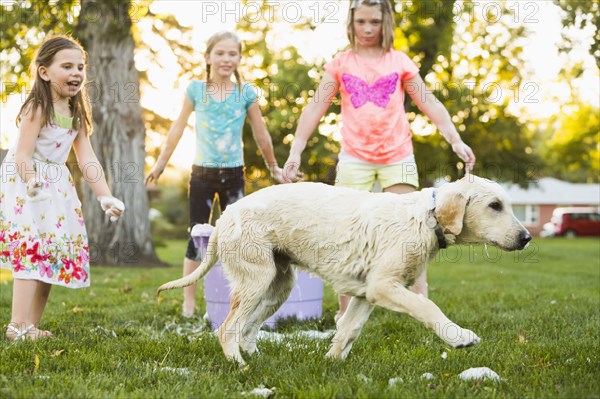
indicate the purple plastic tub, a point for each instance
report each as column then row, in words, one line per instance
column 305, row 300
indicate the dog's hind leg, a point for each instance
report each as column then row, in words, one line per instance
column 246, row 295
column 276, row 295
column 349, row 327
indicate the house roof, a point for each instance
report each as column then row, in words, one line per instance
column 551, row 191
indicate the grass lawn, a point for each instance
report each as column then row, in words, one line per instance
column 537, row 313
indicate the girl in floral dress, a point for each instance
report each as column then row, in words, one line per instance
column 43, row 238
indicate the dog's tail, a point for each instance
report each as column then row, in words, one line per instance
column 207, row 263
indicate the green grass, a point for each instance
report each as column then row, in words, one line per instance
column 537, row 312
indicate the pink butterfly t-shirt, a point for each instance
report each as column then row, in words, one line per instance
column 374, row 124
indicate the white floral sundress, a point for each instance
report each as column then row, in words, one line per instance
column 44, row 240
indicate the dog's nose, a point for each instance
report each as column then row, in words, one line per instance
column 524, row 238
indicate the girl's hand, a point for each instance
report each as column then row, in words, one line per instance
column 465, row 153
column 277, row 174
column 112, row 207
column 153, row 175
column 291, row 169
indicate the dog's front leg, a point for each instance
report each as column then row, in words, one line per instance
column 349, row 327
column 396, row 297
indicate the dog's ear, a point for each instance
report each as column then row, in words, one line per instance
column 450, row 212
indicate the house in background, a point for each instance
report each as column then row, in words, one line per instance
column 533, row 206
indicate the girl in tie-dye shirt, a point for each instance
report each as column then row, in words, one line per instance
column 221, row 106
column 372, row 78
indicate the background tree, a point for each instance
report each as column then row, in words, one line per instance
column 581, row 14
column 569, row 139
column 286, row 83
column 472, row 62
column 189, row 61
column 572, row 150
column 24, row 25
column 104, row 29
column 425, row 30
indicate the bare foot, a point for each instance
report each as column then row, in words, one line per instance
column 44, row 334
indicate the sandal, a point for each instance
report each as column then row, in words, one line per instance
column 18, row 334
column 30, row 332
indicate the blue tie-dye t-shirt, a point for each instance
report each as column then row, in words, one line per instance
column 219, row 125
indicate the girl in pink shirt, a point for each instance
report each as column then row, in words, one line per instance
column 372, row 78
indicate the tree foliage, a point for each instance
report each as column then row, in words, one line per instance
column 472, row 61
column 570, row 138
column 580, row 14
column 572, row 151
column 24, row 24
column 285, row 83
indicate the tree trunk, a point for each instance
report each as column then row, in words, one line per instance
column 104, row 29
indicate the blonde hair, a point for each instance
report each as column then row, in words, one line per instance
column 387, row 31
column 41, row 91
column 211, row 43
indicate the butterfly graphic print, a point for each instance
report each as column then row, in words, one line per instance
column 379, row 93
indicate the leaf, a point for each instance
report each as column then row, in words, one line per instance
column 57, row 352
column 36, row 363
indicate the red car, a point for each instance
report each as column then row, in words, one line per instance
column 574, row 221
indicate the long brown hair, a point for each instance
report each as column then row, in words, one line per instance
column 210, row 44
column 387, row 28
column 41, row 91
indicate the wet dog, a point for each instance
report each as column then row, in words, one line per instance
column 371, row 246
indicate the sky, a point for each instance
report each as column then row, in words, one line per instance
column 542, row 18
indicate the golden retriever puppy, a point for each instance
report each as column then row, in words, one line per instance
column 371, row 246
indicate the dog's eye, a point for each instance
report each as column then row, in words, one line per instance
column 497, row 206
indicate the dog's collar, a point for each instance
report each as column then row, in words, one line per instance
column 440, row 237
column 442, row 243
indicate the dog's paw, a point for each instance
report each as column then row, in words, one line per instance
column 238, row 360
column 457, row 337
column 338, row 353
column 466, row 338
column 333, row 354
column 250, row 348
